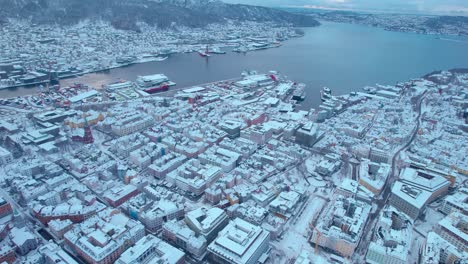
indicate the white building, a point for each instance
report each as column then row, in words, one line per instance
column 425, row 180
column 285, row 204
column 165, row 164
column 409, row 199
column 340, row 226
column 53, row 254
column 180, row 235
column 194, row 177
column 153, row 213
column 131, row 123
column 151, row 249
column 102, row 238
column 241, row 243
column 415, row 190
column 457, row 202
column 207, row 222
column 220, row 157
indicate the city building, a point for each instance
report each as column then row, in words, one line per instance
column 151, row 249
column 5, row 156
column 80, row 120
column 5, row 208
column 7, row 249
column 257, row 134
column 180, row 235
column 328, row 165
column 351, row 188
column 220, row 157
column 207, row 221
column 153, row 213
column 52, row 254
column 457, row 202
column 60, row 227
column 23, row 240
column 252, row 81
column 286, row 203
column 165, row 164
column 438, row 250
column 341, row 225
column 392, row 240
column 426, row 180
column 120, row 194
column 131, row 123
column 241, row 243
column 373, row 175
column 307, row 134
column 76, row 213
column 379, row 155
column 102, row 238
column 194, row 177
column 249, row 211
column 232, row 128
column 453, row 228
column 84, row 135
column 409, row 199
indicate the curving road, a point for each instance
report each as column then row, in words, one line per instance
column 389, row 182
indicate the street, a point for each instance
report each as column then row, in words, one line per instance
column 388, row 183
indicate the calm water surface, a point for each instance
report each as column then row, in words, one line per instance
column 344, row 57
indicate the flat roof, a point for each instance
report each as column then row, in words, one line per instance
column 83, row 96
column 238, row 241
column 194, row 89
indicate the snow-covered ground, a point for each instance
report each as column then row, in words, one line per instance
column 296, row 237
column 431, row 220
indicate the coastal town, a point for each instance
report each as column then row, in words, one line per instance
column 233, row 172
column 43, row 54
column 203, row 131
column 413, row 23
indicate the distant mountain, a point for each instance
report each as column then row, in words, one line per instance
column 125, row 14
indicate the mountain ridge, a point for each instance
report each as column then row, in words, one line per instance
column 125, row 14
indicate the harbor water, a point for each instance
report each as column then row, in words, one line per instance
column 344, row 57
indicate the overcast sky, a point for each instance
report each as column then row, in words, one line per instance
column 454, row 7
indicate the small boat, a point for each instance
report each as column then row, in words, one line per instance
column 161, row 58
column 203, row 53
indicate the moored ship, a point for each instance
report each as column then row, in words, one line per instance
column 154, row 83
column 326, row 94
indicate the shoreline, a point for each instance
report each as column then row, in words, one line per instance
column 361, row 91
column 75, row 75
column 138, row 61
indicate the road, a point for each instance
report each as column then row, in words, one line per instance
column 389, row 182
column 26, row 216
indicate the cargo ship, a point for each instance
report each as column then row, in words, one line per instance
column 154, row 83
column 148, row 81
column 160, row 88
